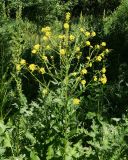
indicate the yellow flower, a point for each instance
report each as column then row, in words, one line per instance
column 68, row 15
column 48, row 47
column 87, row 34
column 102, row 54
column 87, row 43
column 99, row 58
column 32, row 67
column 74, row 73
column 84, row 71
column 103, row 79
column 45, row 38
column 103, row 44
column 45, row 91
column 76, row 101
column 34, row 51
column 93, row 34
column 23, row 62
column 36, row 47
column 18, row 67
column 81, row 29
column 45, row 29
column 103, row 70
column 52, row 57
column 77, row 49
column 48, row 34
column 44, row 58
column 78, row 57
column 88, row 58
column 42, row 70
column 61, row 36
column 78, row 78
column 66, row 25
column 71, row 37
column 97, row 46
column 90, row 64
column 83, row 82
column 95, row 78
column 62, row 52
column 107, row 50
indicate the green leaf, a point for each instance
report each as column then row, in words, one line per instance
column 34, row 156
column 30, row 137
column 2, row 150
column 2, row 127
column 7, row 140
column 50, row 152
column 91, row 115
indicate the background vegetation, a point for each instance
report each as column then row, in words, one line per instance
column 29, row 125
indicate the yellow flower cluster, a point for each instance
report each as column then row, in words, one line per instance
column 103, row 79
column 42, row 70
column 36, row 48
column 32, row 67
column 71, row 37
column 84, row 71
column 20, row 65
column 66, row 24
column 62, row 52
column 68, row 16
column 47, row 31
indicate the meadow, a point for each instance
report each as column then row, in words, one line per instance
column 63, row 80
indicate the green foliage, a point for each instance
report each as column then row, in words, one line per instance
column 96, row 8
column 6, row 96
column 108, row 140
column 40, row 11
column 51, row 126
column 117, row 22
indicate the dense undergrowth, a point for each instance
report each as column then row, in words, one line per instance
column 63, row 80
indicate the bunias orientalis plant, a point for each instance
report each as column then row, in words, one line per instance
column 67, row 63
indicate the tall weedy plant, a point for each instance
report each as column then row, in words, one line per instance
column 66, row 64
